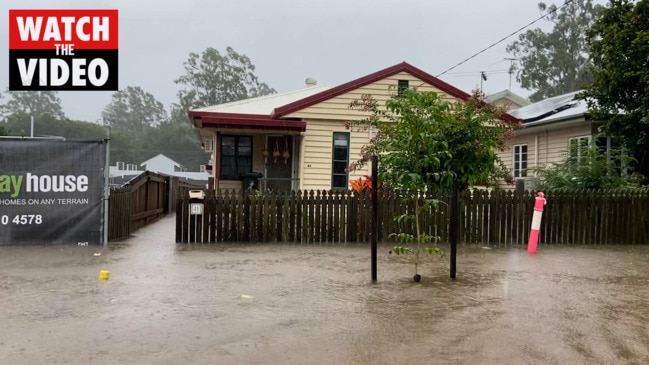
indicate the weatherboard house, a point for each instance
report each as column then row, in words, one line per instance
column 298, row 139
column 551, row 129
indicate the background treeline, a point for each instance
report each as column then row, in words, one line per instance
column 140, row 126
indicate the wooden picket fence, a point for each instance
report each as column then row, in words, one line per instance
column 145, row 199
column 490, row 218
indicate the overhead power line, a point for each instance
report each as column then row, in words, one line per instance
column 566, row 3
column 476, row 72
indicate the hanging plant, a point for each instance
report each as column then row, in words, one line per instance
column 286, row 155
column 276, row 153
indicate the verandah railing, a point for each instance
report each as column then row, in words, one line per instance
column 493, row 218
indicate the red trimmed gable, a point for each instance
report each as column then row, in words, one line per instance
column 374, row 77
column 365, row 80
column 275, row 121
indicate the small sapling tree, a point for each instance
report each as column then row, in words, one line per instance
column 427, row 144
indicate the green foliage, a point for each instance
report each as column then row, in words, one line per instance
column 34, row 103
column 19, row 124
column 427, row 144
column 401, row 250
column 557, row 62
column 178, row 141
column 420, row 239
column 133, row 109
column 425, row 141
column 213, row 78
column 3, row 131
column 587, row 167
column 141, row 129
column 619, row 94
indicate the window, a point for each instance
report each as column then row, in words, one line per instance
column 340, row 161
column 577, row 146
column 520, row 160
column 403, row 85
column 614, row 152
column 236, row 156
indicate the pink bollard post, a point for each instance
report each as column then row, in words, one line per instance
column 536, row 222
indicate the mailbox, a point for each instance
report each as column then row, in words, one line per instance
column 196, row 198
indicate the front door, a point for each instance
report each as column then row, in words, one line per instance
column 279, row 164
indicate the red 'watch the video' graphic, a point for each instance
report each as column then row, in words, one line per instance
column 63, row 49
column 44, row 29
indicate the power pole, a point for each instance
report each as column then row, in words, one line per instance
column 483, row 77
column 511, row 70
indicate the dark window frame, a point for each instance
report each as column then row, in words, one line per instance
column 237, row 156
column 346, row 161
column 401, row 86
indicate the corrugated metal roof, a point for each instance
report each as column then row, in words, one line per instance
column 545, row 108
column 264, row 104
column 577, row 108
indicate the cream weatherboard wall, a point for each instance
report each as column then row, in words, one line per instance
column 337, row 108
column 329, row 116
column 546, row 146
column 316, row 172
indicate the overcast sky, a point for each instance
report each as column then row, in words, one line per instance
column 333, row 41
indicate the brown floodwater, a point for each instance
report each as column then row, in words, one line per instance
column 179, row 304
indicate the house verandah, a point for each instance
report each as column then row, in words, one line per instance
column 265, row 160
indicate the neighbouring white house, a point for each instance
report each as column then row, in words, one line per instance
column 162, row 164
column 508, row 99
column 298, row 139
column 549, row 129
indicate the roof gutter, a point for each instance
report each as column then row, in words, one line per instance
column 568, row 121
column 260, row 123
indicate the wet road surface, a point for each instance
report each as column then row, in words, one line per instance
column 174, row 304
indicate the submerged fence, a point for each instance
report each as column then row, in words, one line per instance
column 494, row 218
column 143, row 200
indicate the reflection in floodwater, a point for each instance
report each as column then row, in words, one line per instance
column 290, row 304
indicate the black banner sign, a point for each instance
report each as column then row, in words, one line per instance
column 51, row 192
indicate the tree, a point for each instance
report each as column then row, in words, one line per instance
column 3, row 131
column 34, row 103
column 212, row 78
column 557, row 62
column 19, row 124
column 427, row 144
column 177, row 140
column 133, row 109
column 619, row 94
column 128, row 147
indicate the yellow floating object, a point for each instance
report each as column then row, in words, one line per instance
column 244, row 296
column 104, row 275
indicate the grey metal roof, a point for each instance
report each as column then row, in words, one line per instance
column 550, row 107
column 578, row 108
column 265, row 104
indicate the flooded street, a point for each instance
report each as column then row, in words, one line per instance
column 178, row 304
